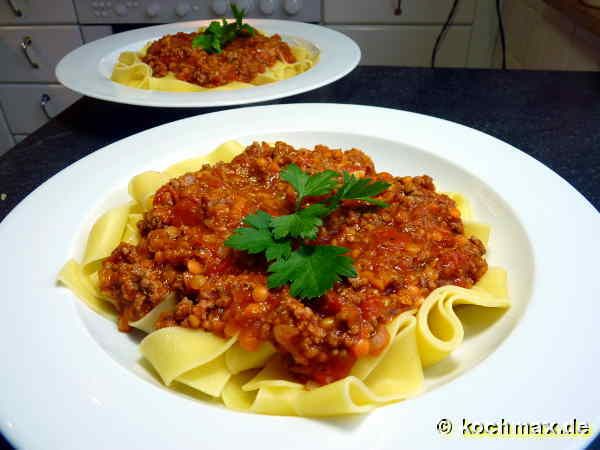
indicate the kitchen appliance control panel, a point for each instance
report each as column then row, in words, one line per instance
column 163, row 11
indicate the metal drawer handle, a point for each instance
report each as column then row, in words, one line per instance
column 44, row 104
column 25, row 44
column 398, row 10
column 15, row 8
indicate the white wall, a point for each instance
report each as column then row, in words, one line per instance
column 540, row 37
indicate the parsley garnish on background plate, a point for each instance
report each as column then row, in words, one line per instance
column 218, row 34
column 310, row 270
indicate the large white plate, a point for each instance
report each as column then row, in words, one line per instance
column 87, row 70
column 71, row 381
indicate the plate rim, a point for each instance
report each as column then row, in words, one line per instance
column 381, row 119
column 79, row 71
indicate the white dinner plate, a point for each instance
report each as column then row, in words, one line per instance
column 87, row 69
column 70, row 380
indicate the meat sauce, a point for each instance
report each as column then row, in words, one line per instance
column 240, row 60
column 401, row 253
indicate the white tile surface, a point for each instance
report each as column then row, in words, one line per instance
column 408, row 45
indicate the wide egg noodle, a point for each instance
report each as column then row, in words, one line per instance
column 209, row 378
column 106, row 234
column 471, row 228
column 145, row 184
column 131, row 71
column 172, row 351
column 223, row 153
column 462, row 204
column 239, row 360
column 477, row 229
column 439, row 330
column 72, row 276
column 364, row 366
column 233, row 396
column 146, row 323
column 131, row 235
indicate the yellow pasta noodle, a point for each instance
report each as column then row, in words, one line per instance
column 196, row 361
column 72, row 276
column 106, row 234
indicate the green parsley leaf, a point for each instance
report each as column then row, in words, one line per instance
column 238, row 14
column 258, row 238
column 301, row 224
column 215, row 28
column 311, row 270
column 321, row 183
column 218, row 34
column 259, row 220
column 278, row 250
column 362, row 189
column 250, row 239
column 247, row 29
column 256, row 241
column 318, row 210
column 297, row 225
column 204, row 41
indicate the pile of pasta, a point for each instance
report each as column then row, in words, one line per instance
column 202, row 364
column 131, row 71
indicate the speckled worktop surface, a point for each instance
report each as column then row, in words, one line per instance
column 553, row 116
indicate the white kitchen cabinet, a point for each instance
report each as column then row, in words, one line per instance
column 23, row 104
column 408, row 45
column 94, row 32
column 408, row 38
column 17, row 12
column 383, row 11
column 6, row 139
column 30, row 54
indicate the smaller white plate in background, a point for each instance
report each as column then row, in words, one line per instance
column 87, row 69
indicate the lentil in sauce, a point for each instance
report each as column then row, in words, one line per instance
column 401, row 253
column 241, row 59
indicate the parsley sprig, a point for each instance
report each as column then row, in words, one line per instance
column 311, row 270
column 218, row 34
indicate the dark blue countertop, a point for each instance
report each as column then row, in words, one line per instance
column 553, row 116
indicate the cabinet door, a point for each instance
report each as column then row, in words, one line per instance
column 44, row 47
column 393, row 45
column 15, row 12
column 94, row 32
column 383, row 11
column 6, row 139
column 24, row 108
